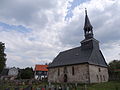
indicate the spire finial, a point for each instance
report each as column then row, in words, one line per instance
column 86, row 11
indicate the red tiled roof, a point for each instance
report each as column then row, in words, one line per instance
column 41, row 67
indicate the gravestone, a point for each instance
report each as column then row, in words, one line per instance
column 63, row 87
column 7, row 89
column 52, row 87
column 59, row 88
column 67, row 88
column 38, row 88
column 47, row 87
column 28, row 88
column 16, row 88
column 55, row 88
column 43, row 88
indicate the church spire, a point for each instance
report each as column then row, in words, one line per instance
column 88, row 27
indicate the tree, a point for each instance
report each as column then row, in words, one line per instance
column 115, row 64
column 27, row 73
column 114, row 70
column 2, row 56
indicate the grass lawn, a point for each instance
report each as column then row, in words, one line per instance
column 113, row 85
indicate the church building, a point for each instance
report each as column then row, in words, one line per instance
column 83, row 64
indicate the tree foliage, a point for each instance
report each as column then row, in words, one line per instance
column 114, row 70
column 27, row 73
column 2, row 56
column 115, row 64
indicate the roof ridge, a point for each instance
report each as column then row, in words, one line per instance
column 70, row 49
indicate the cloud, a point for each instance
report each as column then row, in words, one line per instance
column 111, row 51
column 46, row 32
column 26, row 12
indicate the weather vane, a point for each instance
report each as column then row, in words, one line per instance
column 85, row 11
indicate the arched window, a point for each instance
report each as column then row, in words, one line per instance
column 104, row 77
column 99, row 69
column 65, row 69
column 97, row 78
column 58, row 71
column 101, row 78
column 73, row 71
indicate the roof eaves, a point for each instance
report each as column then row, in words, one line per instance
column 67, row 65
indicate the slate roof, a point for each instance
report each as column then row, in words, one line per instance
column 79, row 56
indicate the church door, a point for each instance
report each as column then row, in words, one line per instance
column 65, row 78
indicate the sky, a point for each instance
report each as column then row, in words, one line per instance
column 36, row 31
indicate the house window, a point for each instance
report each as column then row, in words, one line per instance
column 58, row 71
column 99, row 69
column 73, row 71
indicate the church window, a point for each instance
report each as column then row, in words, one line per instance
column 99, row 69
column 65, row 69
column 58, row 71
column 97, row 77
column 104, row 77
column 101, row 77
column 73, row 71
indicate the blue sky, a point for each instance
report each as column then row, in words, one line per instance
column 73, row 4
column 17, row 28
column 34, row 32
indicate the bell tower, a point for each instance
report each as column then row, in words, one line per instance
column 89, row 42
column 88, row 32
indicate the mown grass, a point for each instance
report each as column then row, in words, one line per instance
column 3, row 87
column 112, row 85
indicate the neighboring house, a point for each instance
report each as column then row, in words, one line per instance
column 9, row 73
column 83, row 64
column 41, row 72
column 13, row 71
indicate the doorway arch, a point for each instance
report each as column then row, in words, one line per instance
column 65, row 78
